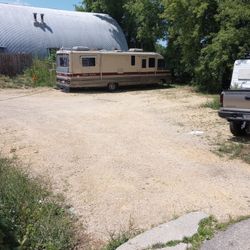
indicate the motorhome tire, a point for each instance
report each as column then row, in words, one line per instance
column 112, row 86
column 66, row 89
column 163, row 81
column 237, row 128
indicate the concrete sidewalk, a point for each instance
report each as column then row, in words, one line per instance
column 236, row 237
column 175, row 230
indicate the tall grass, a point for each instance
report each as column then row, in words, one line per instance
column 30, row 216
column 41, row 73
column 214, row 103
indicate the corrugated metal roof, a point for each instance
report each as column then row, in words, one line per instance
column 19, row 32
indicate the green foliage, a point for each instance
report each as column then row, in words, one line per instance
column 42, row 72
column 30, row 217
column 236, row 149
column 117, row 240
column 145, row 18
column 204, row 37
column 206, row 231
column 231, row 42
column 140, row 19
column 213, row 104
column 189, row 28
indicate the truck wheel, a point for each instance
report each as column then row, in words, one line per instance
column 237, row 129
column 112, row 86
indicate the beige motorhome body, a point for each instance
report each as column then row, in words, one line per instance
column 86, row 68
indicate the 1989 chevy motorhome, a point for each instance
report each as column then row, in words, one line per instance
column 79, row 67
column 236, row 101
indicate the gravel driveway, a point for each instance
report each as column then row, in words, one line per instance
column 126, row 155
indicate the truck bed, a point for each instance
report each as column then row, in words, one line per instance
column 236, row 105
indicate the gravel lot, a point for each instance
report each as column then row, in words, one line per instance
column 125, row 156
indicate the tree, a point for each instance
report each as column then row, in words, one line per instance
column 231, row 42
column 147, row 21
column 140, row 19
column 190, row 24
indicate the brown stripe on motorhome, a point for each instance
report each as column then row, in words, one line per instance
column 113, row 74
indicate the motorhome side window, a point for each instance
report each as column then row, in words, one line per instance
column 133, row 60
column 88, row 61
column 151, row 63
column 161, row 64
column 144, row 63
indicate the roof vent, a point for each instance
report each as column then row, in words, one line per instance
column 35, row 17
column 42, row 18
column 80, row 48
column 135, row 50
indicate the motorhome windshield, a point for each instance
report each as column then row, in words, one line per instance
column 62, row 60
column 62, row 63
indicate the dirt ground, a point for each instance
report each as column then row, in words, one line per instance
column 131, row 155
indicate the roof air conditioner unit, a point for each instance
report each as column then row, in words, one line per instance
column 135, row 50
column 80, row 48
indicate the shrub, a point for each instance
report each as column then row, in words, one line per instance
column 42, row 72
column 30, row 217
column 213, row 104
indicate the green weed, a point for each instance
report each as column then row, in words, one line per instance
column 41, row 73
column 213, row 104
column 234, row 150
column 30, row 216
column 122, row 237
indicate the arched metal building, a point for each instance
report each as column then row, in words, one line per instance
column 26, row 29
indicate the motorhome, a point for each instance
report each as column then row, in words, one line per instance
column 80, row 67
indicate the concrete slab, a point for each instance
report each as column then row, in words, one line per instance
column 180, row 246
column 185, row 226
column 236, row 237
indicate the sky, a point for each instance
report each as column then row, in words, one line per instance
column 61, row 4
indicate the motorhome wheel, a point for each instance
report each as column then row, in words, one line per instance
column 112, row 86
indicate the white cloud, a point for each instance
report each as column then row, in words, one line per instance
column 19, row 2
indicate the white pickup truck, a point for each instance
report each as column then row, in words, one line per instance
column 235, row 103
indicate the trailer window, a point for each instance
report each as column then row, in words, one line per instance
column 88, row 61
column 133, row 60
column 151, row 63
column 144, row 63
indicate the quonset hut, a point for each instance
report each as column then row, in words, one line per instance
column 40, row 31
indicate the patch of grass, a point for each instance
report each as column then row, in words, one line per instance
column 30, row 216
column 40, row 74
column 235, row 149
column 225, row 225
column 122, row 237
column 20, row 81
column 208, row 227
column 206, row 231
column 213, row 104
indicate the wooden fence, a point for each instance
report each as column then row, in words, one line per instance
column 14, row 64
